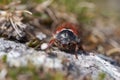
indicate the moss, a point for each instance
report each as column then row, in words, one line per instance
column 5, row 1
column 29, row 1
column 101, row 76
column 12, row 73
column 34, row 73
column 15, row 72
column 58, row 76
column 84, row 14
column 4, row 58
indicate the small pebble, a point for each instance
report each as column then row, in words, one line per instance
column 44, row 46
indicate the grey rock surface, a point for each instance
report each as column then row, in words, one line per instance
column 20, row 55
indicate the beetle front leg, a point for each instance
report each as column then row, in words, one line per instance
column 76, row 50
column 51, row 43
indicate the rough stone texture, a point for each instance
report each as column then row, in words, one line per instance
column 20, row 55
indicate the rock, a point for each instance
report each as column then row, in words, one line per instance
column 19, row 55
column 3, row 74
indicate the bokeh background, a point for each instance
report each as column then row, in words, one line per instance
column 97, row 19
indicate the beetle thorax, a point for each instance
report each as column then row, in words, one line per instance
column 66, row 36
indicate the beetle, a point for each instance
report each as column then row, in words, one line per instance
column 66, row 38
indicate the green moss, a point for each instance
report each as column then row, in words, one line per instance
column 34, row 73
column 58, row 76
column 12, row 73
column 15, row 72
column 101, row 76
column 84, row 14
column 54, row 76
column 4, row 58
column 5, row 1
column 29, row 1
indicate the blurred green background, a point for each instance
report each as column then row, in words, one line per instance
column 99, row 20
column 84, row 9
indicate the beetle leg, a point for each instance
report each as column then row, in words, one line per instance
column 51, row 42
column 76, row 50
column 83, row 50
